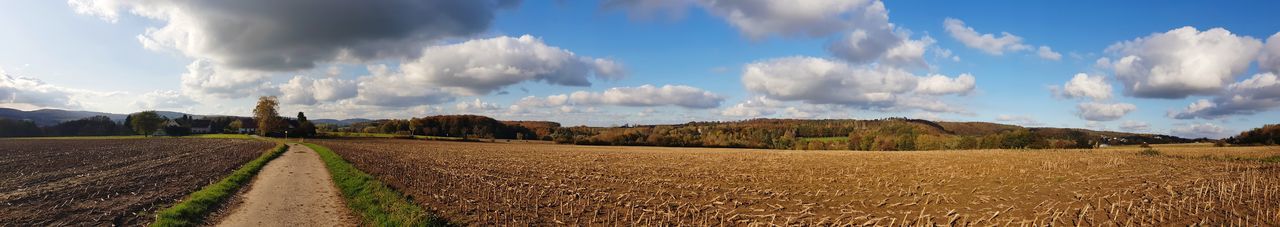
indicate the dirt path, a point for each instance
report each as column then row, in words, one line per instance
column 292, row 190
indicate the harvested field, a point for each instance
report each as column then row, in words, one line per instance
column 537, row 184
column 103, row 182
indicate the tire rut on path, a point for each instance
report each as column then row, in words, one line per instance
column 293, row 190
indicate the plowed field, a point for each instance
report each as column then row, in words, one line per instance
column 534, row 184
column 101, row 182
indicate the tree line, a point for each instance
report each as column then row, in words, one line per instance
column 889, row 134
column 459, row 126
column 1265, row 135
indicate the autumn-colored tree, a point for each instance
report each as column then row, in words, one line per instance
column 268, row 119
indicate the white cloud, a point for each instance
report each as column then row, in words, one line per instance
column 1269, row 59
column 988, row 43
column 935, row 84
column 1256, row 94
column 164, row 99
column 1135, row 126
column 476, row 106
column 1047, row 53
column 644, row 95
column 909, row 54
column 286, row 35
column 26, row 92
column 758, row 106
column 307, row 91
column 1206, row 130
column 390, row 89
column 1019, row 120
column 1085, row 86
column 207, row 79
column 479, row 67
column 1182, row 62
column 1094, row 111
column 821, row 81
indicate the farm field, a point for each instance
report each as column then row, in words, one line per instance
column 541, row 184
column 104, row 182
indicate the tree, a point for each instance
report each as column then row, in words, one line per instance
column 305, row 127
column 146, row 122
column 234, row 126
column 265, row 114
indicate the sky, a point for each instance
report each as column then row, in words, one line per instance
column 1185, row 68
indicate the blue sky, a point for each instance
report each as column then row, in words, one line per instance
column 680, row 60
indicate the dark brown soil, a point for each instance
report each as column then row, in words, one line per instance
column 103, row 182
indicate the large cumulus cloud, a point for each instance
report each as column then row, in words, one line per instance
column 1084, row 86
column 298, row 34
column 480, row 67
column 308, row 91
column 821, row 81
column 1182, row 62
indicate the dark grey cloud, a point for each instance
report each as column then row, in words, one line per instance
column 286, row 35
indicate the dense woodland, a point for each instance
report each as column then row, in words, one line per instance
column 462, row 126
column 1266, row 135
column 891, row 134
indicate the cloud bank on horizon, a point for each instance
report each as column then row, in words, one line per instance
column 801, row 59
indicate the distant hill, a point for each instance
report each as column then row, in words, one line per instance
column 47, row 117
column 878, row 134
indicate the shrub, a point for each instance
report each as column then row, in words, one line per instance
column 1149, row 152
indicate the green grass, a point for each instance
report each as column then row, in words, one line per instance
column 192, row 210
column 376, row 204
column 825, row 139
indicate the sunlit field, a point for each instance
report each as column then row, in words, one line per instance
column 491, row 184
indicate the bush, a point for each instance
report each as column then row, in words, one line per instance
column 1150, row 152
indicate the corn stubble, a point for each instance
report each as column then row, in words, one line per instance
column 538, row 184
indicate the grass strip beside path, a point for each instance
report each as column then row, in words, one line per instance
column 197, row 206
column 377, row 204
